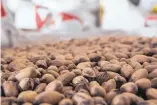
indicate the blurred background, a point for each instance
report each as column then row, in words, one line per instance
column 30, row 19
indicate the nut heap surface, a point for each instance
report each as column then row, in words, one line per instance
column 109, row 70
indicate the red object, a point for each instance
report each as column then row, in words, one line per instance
column 39, row 21
column 67, row 16
column 3, row 12
column 150, row 18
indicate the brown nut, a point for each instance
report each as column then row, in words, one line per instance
column 112, row 74
column 41, row 70
column 55, row 85
column 53, row 68
column 93, row 83
column 66, row 78
column 64, row 71
column 152, row 101
column 68, row 56
column 94, row 57
column 84, row 65
column 79, row 59
column 111, row 67
column 121, row 100
column 109, row 56
column 19, row 64
column 102, row 77
column 151, row 93
column 121, row 55
column 67, row 88
column 132, row 97
column 109, row 85
column 57, row 63
column 110, row 96
column 154, row 82
column 97, row 91
column 8, row 100
column 88, row 72
column 51, row 97
column 153, row 74
column 27, row 96
column 127, row 71
column 150, row 67
column 69, row 94
column 28, row 72
column 129, row 87
column 99, row 100
column 36, row 81
column 102, row 63
column 61, row 68
column 54, row 73
column 143, row 83
column 139, row 74
column 79, row 80
column 140, row 58
column 66, row 102
column 136, row 65
column 82, row 99
column 71, row 66
column 26, row 84
column 47, row 78
column 12, row 77
column 84, row 91
column 41, row 63
column 40, row 88
column 77, row 71
column 10, row 88
column 119, row 81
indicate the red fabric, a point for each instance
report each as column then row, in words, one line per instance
column 67, row 16
column 39, row 21
column 3, row 13
column 151, row 18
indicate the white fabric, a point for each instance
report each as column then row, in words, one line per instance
column 119, row 15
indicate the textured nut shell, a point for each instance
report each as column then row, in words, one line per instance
column 139, row 74
column 88, row 72
column 111, row 67
column 102, row 77
column 79, row 80
column 97, row 91
column 154, row 83
column 40, row 88
column 140, row 58
column 54, row 73
column 129, row 87
column 66, row 102
column 153, row 74
column 26, row 84
column 10, row 88
column 120, row 100
column 127, row 70
column 55, row 85
column 84, row 65
column 51, row 97
column 80, row 98
column 47, row 78
column 27, row 96
column 151, row 93
column 66, row 78
column 143, row 83
column 28, row 72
